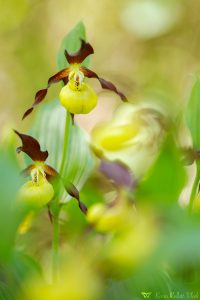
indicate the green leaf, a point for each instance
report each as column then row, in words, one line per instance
column 193, row 115
column 9, row 185
column 71, row 43
column 166, row 178
column 49, row 128
column 4, row 292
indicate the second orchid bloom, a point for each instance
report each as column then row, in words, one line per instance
column 39, row 191
column 76, row 96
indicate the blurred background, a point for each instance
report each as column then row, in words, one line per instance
column 150, row 48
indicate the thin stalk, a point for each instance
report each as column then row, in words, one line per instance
column 56, row 207
column 66, row 140
column 55, row 247
column 194, row 189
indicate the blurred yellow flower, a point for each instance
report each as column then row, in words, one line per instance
column 127, row 250
column 77, row 281
column 130, row 236
column 133, row 136
column 117, row 217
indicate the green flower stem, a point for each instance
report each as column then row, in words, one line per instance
column 55, row 247
column 194, row 189
column 56, row 207
column 65, row 142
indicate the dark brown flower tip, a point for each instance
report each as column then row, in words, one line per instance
column 73, row 192
column 40, row 95
column 117, row 172
column 104, row 83
column 31, row 147
column 79, row 56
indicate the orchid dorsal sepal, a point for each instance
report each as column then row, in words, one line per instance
column 32, row 148
column 79, row 56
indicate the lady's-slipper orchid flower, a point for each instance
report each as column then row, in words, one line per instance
column 39, row 191
column 133, row 136
column 76, row 96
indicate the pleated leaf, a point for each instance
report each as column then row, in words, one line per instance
column 48, row 128
column 166, row 178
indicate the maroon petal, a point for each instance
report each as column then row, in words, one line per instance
column 79, row 56
column 59, row 76
column 50, row 171
column 40, row 95
column 72, row 191
column 31, row 147
column 104, row 83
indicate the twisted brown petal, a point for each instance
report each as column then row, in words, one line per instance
column 31, row 147
column 40, row 95
column 104, row 83
column 79, row 56
column 72, row 191
column 50, row 171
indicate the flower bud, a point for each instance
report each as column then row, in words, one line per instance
column 78, row 100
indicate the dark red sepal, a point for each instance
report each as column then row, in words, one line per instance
column 50, row 171
column 31, row 147
column 79, row 56
column 63, row 74
column 104, row 83
column 72, row 191
column 40, row 95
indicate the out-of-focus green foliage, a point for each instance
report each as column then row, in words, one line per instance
column 166, row 178
column 9, row 215
column 193, row 113
column 141, row 250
